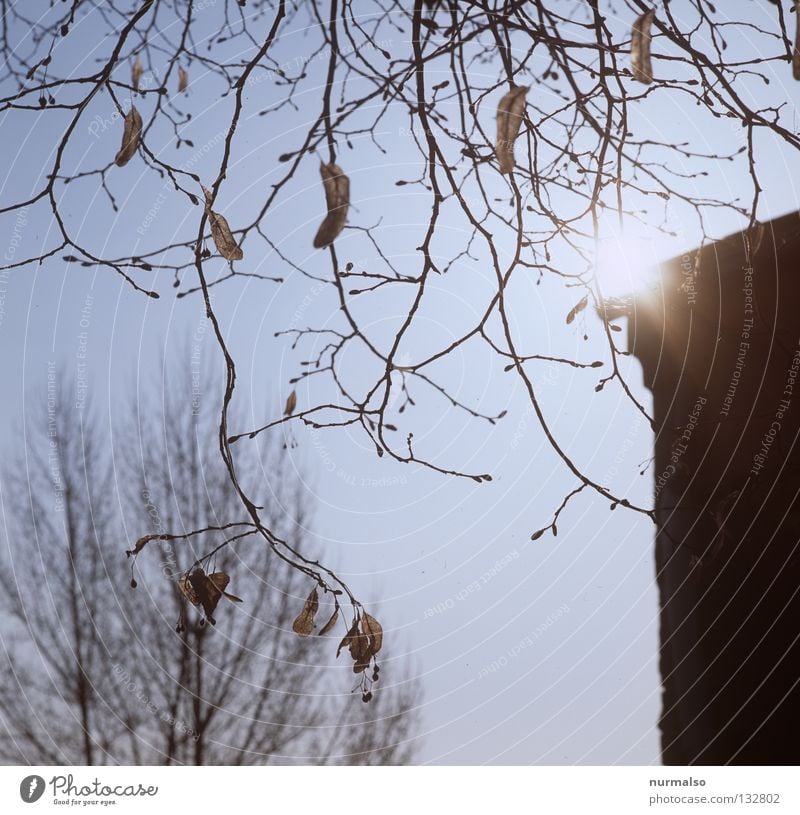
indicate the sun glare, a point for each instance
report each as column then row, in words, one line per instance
column 626, row 263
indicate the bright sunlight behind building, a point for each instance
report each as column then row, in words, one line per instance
column 626, row 260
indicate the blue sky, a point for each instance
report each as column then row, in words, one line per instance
column 529, row 652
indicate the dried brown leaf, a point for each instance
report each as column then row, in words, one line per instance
column 186, row 589
column 330, row 624
column 348, row 638
column 374, row 631
column 136, row 72
column 304, row 624
column 221, row 580
column 361, row 665
column 360, row 647
column 223, row 237
column 577, row 308
column 337, row 199
column 131, row 134
column 363, row 641
column 291, row 404
column 208, row 594
column 183, row 79
column 641, row 61
column 221, row 233
column 509, row 119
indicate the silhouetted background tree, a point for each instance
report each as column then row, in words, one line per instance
column 99, row 674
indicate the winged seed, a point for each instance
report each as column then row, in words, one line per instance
column 337, row 199
column 509, row 120
column 641, row 63
column 304, row 623
column 131, row 134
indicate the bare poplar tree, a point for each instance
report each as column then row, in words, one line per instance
column 98, row 673
column 59, row 525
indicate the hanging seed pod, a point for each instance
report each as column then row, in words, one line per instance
column 363, row 641
column 509, row 120
column 375, row 632
column 577, row 308
column 220, row 581
column 136, row 72
column 349, row 638
column 328, row 627
column 304, row 624
column 132, row 132
column 364, row 648
column 186, row 589
column 183, row 80
column 337, row 198
column 221, row 233
column 641, row 63
column 206, row 590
